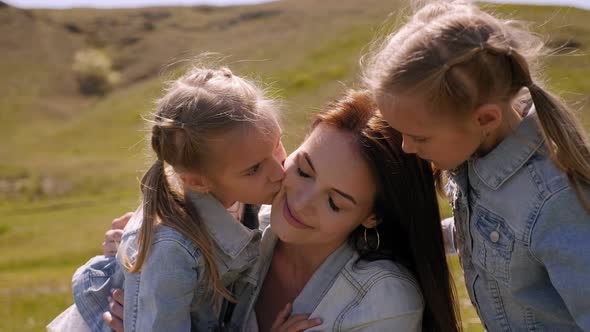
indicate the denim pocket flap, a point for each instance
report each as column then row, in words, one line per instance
column 494, row 231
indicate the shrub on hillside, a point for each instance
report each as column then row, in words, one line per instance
column 94, row 72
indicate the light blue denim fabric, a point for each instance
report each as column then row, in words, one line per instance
column 347, row 294
column 91, row 285
column 168, row 293
column 523, row 237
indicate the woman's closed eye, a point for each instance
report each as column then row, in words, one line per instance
column 333, row 206
column 302, row 174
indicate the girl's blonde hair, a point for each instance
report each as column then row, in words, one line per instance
column 456, row 58
column 202, row 104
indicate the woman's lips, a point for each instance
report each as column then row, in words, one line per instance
column 291, row 219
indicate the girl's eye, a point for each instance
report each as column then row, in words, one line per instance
column 301, row 173
column 253, row 170
column 332, row 205
column 420, row 139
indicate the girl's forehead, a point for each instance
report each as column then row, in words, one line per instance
column 227, row 149
column 410, row 115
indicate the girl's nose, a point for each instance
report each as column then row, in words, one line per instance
column 407, row 145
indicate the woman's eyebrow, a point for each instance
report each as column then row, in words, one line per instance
column 306, row 156
column 345, row 195
column 342, row 193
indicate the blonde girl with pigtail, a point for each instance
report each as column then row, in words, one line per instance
column 217, row 143
column 519, row 178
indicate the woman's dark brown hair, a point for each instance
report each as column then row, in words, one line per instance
column 406, row 206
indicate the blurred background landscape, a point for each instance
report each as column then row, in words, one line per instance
column 75, row 83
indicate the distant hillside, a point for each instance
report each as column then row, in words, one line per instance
column 304, row 47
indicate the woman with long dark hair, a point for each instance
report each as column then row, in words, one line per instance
column 354, row 238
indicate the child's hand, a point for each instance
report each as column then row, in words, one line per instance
column 112, row 237
column 296, row 323
column 114, row 317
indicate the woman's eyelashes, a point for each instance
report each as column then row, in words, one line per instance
column 331, row 203
column 333, row 206
column 301, row 173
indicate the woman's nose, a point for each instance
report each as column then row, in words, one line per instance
column 302, row 201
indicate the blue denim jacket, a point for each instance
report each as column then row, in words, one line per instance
column 347, row 294
column 168, row 293
column 523, row 237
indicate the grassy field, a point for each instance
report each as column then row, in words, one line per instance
column 70, row 163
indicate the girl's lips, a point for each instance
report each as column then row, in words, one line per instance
column 291, row 219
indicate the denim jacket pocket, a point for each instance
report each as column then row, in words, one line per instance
column 494, row 241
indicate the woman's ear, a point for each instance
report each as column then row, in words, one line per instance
column 195, row 182
column 370, row 222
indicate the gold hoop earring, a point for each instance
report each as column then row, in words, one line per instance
column 378, row 239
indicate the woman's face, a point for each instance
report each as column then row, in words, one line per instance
column 328, row 191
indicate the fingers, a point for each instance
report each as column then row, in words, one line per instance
column 282, row 316
column 118, row 295
column 112, row 238
column 113, row 235
column 300, row 323
column 114, row 318
column 120, row 222
column 116, row 309
column 115, row 323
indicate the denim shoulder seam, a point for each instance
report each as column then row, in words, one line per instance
column 191, row 249
column 368, row 286
column 540, row 212
column 365, row 287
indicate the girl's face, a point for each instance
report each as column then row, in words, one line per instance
column 247, row 165
column 446, row 141
column 327, row 192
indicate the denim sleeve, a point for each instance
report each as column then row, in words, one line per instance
column 560, row 241
column 91, row 285
column 164, row 289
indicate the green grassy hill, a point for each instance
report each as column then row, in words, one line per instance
column 69, row 163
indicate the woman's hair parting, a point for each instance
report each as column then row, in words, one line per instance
column 200, row 105
column 405, row 206
column 457, row 57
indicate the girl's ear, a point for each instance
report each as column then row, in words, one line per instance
column 195, row 182
column 488, row 117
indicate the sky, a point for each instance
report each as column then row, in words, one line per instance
column 143, row 3
column 123, row 3
column 584, row 4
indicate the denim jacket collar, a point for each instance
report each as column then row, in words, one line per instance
column 228, row 234
column 320, row 282
column 509, row 156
